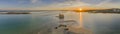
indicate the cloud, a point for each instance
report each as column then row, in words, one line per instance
column 104, row 2
column 111, row 5
column 92, row 1
column 48, row 4
column 114, row 1
column 64, row 4
column 69, row 3
column 34, row 1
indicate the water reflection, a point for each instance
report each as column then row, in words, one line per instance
column 102, row 23
column 44, row 23
column 14, row 24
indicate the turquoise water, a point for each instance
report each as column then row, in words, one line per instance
column 44, row 22
column 101, row 23
column 24, row 23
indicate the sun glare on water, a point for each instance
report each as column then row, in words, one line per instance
column 81, row 19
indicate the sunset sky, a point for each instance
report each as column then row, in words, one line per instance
column 53, row 4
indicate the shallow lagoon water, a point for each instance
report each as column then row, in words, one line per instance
column 44, row 22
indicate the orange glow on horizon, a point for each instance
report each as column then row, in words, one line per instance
column 79, row 10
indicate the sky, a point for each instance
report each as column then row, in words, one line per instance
column 53, row 4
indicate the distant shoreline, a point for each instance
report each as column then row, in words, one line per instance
column 15, row 13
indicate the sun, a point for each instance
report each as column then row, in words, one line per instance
column 80, row 9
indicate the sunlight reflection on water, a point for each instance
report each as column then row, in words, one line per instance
column 44, row 23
